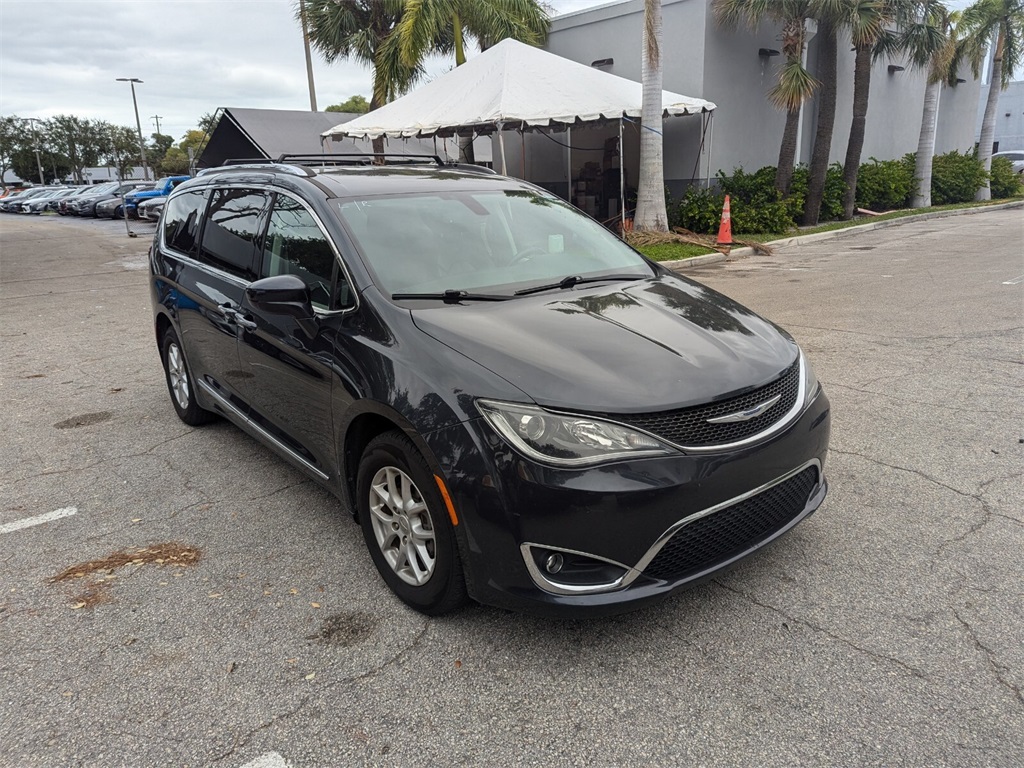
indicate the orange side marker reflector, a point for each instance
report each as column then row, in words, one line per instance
column 447, row 500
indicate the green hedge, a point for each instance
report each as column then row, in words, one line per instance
column 956, row 177
column 1004, row 181
column 882, row 185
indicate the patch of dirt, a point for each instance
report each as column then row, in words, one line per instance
column 84, row 420
column 345, row 629
column 171, row 553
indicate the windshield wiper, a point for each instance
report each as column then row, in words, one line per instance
column 451, row 296
column 573, row 280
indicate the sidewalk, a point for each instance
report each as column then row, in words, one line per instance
column 740, row 253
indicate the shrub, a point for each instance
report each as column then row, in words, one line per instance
column 771, row 218
column 755, row 188
column 700, row 210
column 884, row 184
column 956, row 178
column 832, row 198
column 755, row 203
column 1004, row 181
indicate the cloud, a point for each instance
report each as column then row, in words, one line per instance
column 63, row 57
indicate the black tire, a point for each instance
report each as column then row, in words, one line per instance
column 180, row 384
column 431, row 580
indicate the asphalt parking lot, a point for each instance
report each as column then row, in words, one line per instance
column 240, row 622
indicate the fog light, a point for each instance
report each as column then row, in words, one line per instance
column 554, row 563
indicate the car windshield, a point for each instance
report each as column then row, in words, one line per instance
column 495, row 242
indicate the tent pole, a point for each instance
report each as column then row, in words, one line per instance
column 568, row 165
column 522, row 144
column 711, row 145
column 501, row 143
column 622, row 183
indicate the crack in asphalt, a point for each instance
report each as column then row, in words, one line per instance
column 915, row 400
column 911, row 670
column 987, row 512
column 910, row 470
column 246, row 738
column 998, row 670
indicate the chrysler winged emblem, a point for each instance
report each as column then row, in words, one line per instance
column 747, row 415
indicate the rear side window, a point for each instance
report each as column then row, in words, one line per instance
column 233, row 231
column 295, row 245
column 181, row 221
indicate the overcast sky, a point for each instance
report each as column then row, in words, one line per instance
column 63, row 57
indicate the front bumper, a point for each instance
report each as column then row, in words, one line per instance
column 626, row 532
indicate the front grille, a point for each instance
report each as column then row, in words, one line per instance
column 689, row 426
column 723, row 535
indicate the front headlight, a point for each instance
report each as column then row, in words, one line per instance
column 810, row 379
column 565, row 440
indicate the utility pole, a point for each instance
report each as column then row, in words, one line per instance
column 138, row 124
column 39, row 162
column 156, row 119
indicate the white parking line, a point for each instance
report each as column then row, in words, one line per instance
column 269, row 760
column 1014, row 281
column 46, row 517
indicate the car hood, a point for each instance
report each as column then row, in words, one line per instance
column 651, row 345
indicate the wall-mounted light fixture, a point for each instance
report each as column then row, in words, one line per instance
column 767, row 52
column 602, row 63
column 960, row 80
column 894, row 68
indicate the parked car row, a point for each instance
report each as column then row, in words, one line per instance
column 110, row 200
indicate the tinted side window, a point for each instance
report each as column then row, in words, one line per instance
column 234, row 225
column 181, row 221
column 295, row 245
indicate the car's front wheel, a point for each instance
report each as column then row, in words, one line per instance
column 407, row 527
column 180, row 383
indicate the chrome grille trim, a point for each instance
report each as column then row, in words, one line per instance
column 632, row 573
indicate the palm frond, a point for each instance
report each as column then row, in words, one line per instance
column 795, row 85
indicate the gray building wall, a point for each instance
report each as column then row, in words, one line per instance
column 722, row 65
column 1009, row 116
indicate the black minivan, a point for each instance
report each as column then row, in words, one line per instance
column 517, row 406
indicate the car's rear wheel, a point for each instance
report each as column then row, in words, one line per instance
column 407, row 527
column 180, row 382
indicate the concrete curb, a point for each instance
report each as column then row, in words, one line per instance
column 739, row 253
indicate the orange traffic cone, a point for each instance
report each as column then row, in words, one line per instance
column 725, row 228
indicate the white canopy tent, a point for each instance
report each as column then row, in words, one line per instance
column 512, row 86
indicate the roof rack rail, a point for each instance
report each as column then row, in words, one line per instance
column 257, row 164
column 297, row 164
column 360, row 158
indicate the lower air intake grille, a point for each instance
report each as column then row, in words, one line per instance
column 723, row 535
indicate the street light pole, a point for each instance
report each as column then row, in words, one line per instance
column 138, row 123
column 39, row 162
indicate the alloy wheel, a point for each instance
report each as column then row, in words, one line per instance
column 177, row 374
column 402, row 526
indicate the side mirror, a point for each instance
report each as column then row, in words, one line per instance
column 284, row 295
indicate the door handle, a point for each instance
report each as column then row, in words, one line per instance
column 232, row 315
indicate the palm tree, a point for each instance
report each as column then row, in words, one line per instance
column 868, row 22
column 358, row 29
column 650, row 199
column 795, row 84
column 438, row 26
column 830, row 14
column 983, row 21
column 928, row 39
